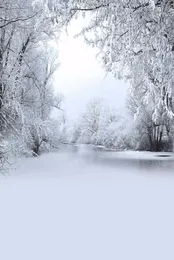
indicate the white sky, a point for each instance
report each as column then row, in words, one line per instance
column 81, row 78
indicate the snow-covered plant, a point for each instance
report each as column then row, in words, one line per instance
column 27, row 65
column 100, row 125
column 135, row 40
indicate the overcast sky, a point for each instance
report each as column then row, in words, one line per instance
column 81, row 78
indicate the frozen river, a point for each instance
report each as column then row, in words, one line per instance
column 145, row 162
column 88, row 204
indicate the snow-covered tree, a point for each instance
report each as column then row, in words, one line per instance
column 90, row 121
column 154, row 135
column 101, row 125
column 135, row 41
column 27, row 65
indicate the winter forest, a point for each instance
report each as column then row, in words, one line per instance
column 135, row 42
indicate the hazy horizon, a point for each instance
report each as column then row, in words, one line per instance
column 81, row 77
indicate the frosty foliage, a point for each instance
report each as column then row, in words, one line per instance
column 101, row 125
column 136, row 42
column 27, row 65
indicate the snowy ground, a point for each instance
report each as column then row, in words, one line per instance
column 82, row 206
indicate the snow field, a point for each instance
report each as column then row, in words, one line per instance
column 59, row 206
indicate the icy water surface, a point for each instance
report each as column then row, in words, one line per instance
column 146, row 161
